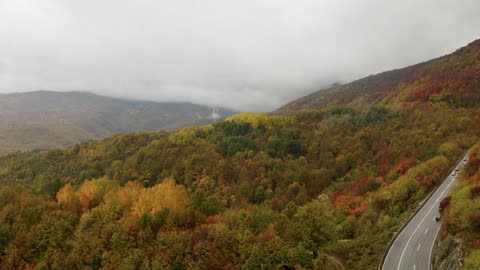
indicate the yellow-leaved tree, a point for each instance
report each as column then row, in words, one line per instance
column 167, row 194
column 67, row 198
column 124, row 196
column 91, row 193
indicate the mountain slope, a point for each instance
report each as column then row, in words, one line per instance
column 52, row 119
column 450, row 79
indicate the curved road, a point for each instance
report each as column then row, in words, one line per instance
column 413, row 246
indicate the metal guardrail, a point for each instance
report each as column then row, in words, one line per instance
column 422, row 203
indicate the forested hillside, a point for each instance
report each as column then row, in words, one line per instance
column 301, row 190
column 46, row 119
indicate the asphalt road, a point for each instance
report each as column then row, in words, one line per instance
column 413, row 247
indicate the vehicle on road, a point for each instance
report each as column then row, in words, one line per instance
column 421, row 230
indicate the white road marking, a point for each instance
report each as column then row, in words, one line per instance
column 431, row 250
column 418, row 248
column 414, row 232
column 453, row 179
column 451, row 182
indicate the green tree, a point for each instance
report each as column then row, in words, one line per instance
column 315, row 224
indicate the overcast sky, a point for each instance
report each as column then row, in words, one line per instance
column 244, row 54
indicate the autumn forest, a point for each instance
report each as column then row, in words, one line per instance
column 322, row 183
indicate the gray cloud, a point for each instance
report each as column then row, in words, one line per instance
column 249, row 54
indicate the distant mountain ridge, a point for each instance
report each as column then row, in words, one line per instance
column 46, row 119
column 360, row 92
column 448, row 79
